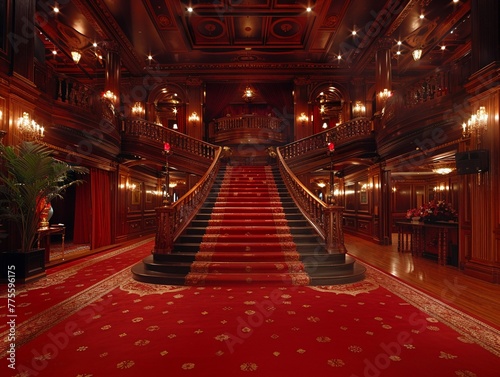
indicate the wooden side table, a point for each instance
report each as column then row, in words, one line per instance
column 44, row 235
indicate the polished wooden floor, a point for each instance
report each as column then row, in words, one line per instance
column 475, row 297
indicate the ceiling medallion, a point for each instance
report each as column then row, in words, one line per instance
column 286, row 28
column 211, row 28
column 163, row 21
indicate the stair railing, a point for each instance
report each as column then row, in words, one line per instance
column 325, row 218
column 173, row 219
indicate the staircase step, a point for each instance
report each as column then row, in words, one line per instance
column 249, row 231
column 263, row 279
column 246, row 267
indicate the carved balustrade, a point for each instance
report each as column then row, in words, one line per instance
column 326, row 219
column 173, row 219
column 350, row 130
column 231, row 123
column 156, row 132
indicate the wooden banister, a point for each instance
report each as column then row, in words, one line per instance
column 326, row 219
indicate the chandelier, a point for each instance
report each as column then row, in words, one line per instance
column 443, row 170
column 76, row 56
column 30, row 129
column 417, row 54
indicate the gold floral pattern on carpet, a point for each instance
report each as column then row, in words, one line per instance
column 143, row 289
column 354, row 289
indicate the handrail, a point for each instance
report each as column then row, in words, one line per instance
column 343, row 132
column 173, row 219
column 157, row 132
column 326, row 219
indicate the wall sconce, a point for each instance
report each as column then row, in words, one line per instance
column 175, row 127
column 30, row 129
column 477, row 122
column 137, row 109
column 194, row 118
column 76, row 56
column 109, row 95
column 358, row 109
column 303, row 118
column 384, row 94
column 325, row 125
column 417, row 54
column 248, row 94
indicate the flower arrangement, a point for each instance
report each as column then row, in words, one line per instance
column 435, row 210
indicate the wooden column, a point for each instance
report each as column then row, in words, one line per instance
column 380, row 203
column 479, row 245
column 301, row 105
column 383, row 73
column 334, row 237
column 164, row 240
column 22, row 39
column 194, row 105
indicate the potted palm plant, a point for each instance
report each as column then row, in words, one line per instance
column 29, row 179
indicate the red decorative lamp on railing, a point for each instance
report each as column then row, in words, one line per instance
column 331, row 197
column 167, row 151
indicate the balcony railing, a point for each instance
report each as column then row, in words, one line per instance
column 158, row 133
column 229, row 129
column 356, row 128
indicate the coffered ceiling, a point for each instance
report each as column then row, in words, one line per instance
column 276, row 39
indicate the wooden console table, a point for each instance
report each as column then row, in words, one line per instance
column 412, row 236
column 44, row 235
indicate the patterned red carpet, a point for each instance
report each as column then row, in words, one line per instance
column 92, row 319
column 248, row 238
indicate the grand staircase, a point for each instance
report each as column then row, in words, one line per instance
column 249, row 231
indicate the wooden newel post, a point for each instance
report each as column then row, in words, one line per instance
column 334, row 237
column 164, row 235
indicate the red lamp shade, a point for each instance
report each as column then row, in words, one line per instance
column 331, row 146
column 166, row 147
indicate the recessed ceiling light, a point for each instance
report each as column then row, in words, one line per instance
column 400, row 43
column 308, row 9
column 190, row 10
column 443, row 47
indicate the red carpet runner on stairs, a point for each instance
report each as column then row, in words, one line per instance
column 248, row 239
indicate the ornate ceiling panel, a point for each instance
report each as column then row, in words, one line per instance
column 240, row 36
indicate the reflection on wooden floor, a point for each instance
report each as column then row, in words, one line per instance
column 478, row 298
